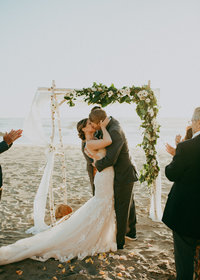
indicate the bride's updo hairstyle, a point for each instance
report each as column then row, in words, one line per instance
column 97, row 115
column 80, row 125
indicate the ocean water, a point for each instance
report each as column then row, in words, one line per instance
column 131, row 126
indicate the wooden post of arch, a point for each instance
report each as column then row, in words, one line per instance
column 51, row 196
column 55, row 112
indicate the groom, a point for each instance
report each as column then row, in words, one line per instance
column 117, row 155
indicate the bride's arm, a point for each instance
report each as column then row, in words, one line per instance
column 101, row 143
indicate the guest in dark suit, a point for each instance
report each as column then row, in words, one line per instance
column 117, row 155
column 8, row 139
column 182, row 210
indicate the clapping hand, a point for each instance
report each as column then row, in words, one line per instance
column 170, row 149
column 13, row 135
column 177, row 139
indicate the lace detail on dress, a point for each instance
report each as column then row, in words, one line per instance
column 90, row 230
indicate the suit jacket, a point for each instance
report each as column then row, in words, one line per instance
column 182, row 210
column 117, row 155
column 3, row 147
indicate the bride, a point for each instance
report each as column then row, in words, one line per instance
column 91, row 229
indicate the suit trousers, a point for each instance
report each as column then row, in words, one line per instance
column 125, row 212
column 131, row 224
column 184, row 251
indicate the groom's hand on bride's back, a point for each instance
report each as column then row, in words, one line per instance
column 13, row 135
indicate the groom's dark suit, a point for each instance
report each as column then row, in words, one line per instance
column 117, row 155
column 3, row 147
column 182, row 210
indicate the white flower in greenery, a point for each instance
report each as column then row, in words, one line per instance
column 154, row 124
column 151, row 112
column 147, row 100
column 148, row 136
column 110, row 93
column 151, row 152
column 127, row 91
column 153, row 162
column 122, row 91
column 141, row 96
column 94, row 89
column 145, row 93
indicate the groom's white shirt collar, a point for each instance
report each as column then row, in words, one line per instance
column 196, row 134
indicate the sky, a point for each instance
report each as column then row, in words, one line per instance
column 76, row 43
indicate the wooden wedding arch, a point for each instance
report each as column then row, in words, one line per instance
column 147, row 110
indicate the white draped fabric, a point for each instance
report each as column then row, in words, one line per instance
column 34, row 131
column 155, row 212
column 41, row 197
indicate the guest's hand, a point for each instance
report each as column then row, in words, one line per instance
column 188, row 127
column 177, row 139
column 13, row 135
column 170, row 149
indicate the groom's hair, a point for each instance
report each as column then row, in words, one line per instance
column 97, row 115
column 95, row 108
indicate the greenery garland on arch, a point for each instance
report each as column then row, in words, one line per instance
column 146, row 108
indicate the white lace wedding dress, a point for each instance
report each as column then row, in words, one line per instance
column 91, row 229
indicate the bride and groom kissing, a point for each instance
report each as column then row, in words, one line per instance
column 100, row 225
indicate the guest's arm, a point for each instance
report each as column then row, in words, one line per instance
column 4, row 146
column 9, row 138
column 112, row 152
column 175, row 170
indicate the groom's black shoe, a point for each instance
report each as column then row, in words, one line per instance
column 131, row 236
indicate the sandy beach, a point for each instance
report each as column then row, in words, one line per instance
column 149, row 257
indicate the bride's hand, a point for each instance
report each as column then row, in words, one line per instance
column 105, row 122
